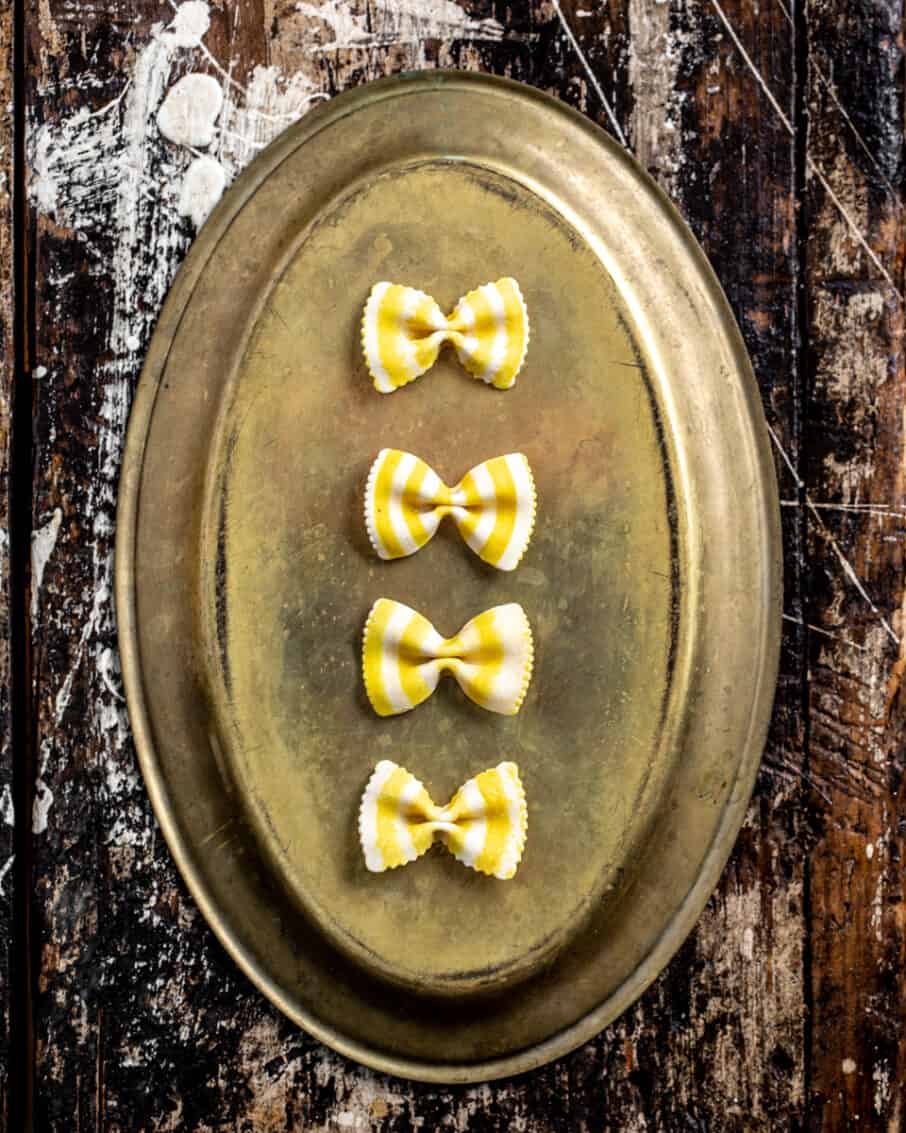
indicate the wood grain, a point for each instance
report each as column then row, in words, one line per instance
column 853, row 440
column 784, row 1008
column 8, row 958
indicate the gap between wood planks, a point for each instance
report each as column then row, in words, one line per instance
column 22, row 720
column 801, row 166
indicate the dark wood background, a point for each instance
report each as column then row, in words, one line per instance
column 777, row 128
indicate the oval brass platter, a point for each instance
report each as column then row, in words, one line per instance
column 245, row 575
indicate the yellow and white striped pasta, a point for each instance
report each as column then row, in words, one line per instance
column 403, row 330
column 484, row 825
column 404, row 657
column 493, row 506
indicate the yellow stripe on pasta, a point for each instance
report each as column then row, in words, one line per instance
column 493, row 506
column 484, row 658
column 373, row 650
column 413, row 649
column 484, row 332
column 517, row 326
column 498, row 821
column 393, row 342
column 383, row 504
column 484, row 826
column 403, row 330
column 411, row 507
column 470, row 513
column 403, row 657
column 389, row 842
column 505, row 494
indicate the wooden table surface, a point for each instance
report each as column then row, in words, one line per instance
column 778, row 131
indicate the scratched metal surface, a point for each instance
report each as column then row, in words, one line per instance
column 779, row 134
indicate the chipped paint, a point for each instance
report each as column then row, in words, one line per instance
column 7, row 812
column 43, row 801
column 43, row 542
column 654, row 55
column 881, row 1077
column 4, row 870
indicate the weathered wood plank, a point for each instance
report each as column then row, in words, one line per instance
column 731, row 1003
column 7, row 380
column 855, row 483
column 142, row 1022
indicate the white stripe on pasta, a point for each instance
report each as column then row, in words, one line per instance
column 512, row 850
column 525, row 510
column 477, row 833
column 469, row 343
column 400, row 826
column 374, row 859
column 499, row 345
column 373, row 355
column 405, row 344
column 390, row 673
column 431, row 486
column 401, row 475
column 370, row 508
column 485, row 485
column 510, row 625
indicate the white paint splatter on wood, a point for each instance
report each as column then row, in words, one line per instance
column 41, row 807
column 202, row 188
column 7, row 811
column 43, row 541
column 188, row 114
column 190, row 24
column 255, row 114
column 109, row 176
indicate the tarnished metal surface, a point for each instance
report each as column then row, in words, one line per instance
column 653, row 583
